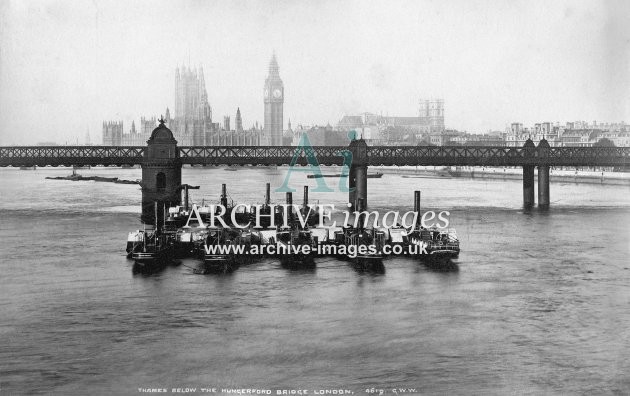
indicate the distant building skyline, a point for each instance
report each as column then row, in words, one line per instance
column 191, row 123
column 66, row 66
column 428, row 120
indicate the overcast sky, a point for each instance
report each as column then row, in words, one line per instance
column 66, row 66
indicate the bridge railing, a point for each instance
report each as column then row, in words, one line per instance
column 283, row 155
column 589, row 156
column 440, row 155
column 71, row 155
column 259, row 155
column 497, row 156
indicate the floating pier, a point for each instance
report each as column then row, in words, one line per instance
column 294, row 242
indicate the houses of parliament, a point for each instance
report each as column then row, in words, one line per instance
column 192, row 123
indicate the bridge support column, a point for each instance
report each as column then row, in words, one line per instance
column 528, row 186
column 161, row 175
column 358, row 174
column 543, row 174
column 361, row 185
column 543, row 187
column 352, row 187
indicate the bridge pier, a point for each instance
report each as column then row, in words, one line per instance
column 161, row 175
column 543, row 174
column 543, row 187
column 352, row 187
column 361, row 185
column 528, row 186
column 358, row 174
column 529, row 150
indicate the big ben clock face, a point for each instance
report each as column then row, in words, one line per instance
column 277, row 93
column 266, row 93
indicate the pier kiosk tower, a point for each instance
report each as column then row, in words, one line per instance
column 161, row 174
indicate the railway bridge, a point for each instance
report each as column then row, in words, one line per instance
column 161, row 160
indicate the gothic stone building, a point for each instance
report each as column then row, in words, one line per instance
column 191, row 122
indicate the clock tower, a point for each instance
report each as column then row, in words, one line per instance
column 274, row 100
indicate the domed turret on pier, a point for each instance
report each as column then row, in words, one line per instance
column 161, row 174
column 162, row 134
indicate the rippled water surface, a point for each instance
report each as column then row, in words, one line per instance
column 540, row 302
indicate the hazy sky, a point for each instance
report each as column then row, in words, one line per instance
column 66, row 66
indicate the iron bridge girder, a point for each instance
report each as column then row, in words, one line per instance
column 325, row 155
column 71, row 155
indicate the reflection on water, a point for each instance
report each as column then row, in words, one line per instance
column 537, row 301
column 443, row 265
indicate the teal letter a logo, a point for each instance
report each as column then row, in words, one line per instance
column 313, row 167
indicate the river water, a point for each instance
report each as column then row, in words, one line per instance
column 540, row 302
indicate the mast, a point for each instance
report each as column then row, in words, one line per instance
column 416, row 206
column 224, row 196
column 289, row 198
column 186, row 197
column 155, row 211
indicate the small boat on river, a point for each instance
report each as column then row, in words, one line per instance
column 225, row 249
column 155, row 250
column 439, row 243
column 296, row 247
column 364, row 247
